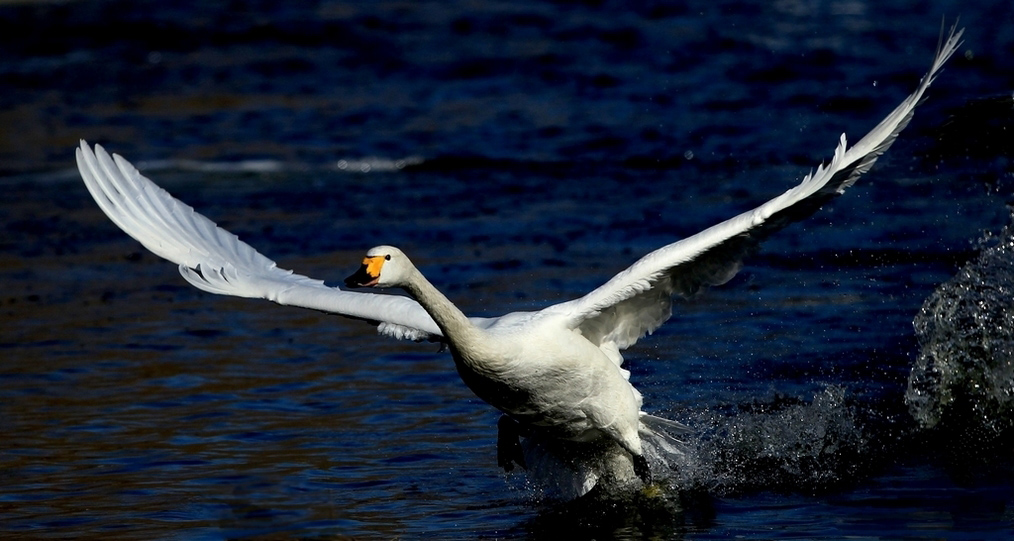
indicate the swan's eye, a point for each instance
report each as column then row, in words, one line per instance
column 387, row 257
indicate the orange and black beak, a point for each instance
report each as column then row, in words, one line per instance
column 368, row 274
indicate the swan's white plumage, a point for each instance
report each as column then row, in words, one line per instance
column 577, row 395
column 215, row 260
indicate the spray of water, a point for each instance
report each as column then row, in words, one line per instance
column 964, row 376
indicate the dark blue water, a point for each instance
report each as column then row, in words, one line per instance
column 522, row 153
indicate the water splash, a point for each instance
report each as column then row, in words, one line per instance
column 964, row 375
column 786, row 444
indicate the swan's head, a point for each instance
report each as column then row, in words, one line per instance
column 384, row 266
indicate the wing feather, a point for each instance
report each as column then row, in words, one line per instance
column 217, row 261
column 639, row 299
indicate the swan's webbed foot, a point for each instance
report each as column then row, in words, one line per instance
column 508, row 444
column 642, row 469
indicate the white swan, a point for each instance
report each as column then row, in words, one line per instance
column 555, row 373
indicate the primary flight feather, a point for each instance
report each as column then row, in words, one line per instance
column 555, row 373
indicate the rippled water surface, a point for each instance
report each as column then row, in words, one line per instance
column 522, row 153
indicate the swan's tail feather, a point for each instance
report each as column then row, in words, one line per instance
column 664, row 433
column 653, row 422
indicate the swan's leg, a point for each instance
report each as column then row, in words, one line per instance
column 508, row 444
column 641, row 468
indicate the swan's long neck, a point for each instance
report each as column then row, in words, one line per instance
column 458, row 330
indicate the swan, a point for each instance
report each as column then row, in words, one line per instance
column 556, row 374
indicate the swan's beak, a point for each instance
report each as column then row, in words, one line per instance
column 368, row 274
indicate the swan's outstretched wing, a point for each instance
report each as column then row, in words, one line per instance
column 215, row 260
column 639, row 299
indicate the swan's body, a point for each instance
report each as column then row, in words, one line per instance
column 555, row 372
column 532, row 366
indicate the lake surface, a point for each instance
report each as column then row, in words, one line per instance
column 855, row 378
